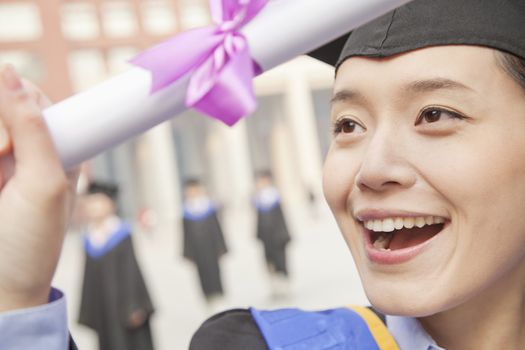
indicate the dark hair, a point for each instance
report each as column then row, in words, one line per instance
column 192, row 181
column 514, row 66
column 264, row 173
column 110, row 189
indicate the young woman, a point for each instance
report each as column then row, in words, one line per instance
column 426, row 179
column 425, row 176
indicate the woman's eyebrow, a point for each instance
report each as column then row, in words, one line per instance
column 416, row 86
column 429, row 85
column 347, row 95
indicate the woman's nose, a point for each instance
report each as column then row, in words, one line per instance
column 385, row 164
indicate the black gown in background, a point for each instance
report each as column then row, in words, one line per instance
column 204, row 244
column 273, row 232
column 113, row 288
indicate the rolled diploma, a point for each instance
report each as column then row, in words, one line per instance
column 122, row 107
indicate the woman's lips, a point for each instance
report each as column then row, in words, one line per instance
column 385, row 256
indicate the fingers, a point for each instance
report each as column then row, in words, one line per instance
column 6, row 168
column 36, row 94
column 6, row 159
column 34, row 151
column 5, row 140
column 33, row 147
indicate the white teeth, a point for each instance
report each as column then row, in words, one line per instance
column 378, row 226
column 388, row 225
column 397, row 223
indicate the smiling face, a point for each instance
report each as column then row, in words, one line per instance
column 432, row 138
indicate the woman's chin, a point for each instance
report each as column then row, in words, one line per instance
column 405, row 303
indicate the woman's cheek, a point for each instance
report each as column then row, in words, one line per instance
column 337, row 181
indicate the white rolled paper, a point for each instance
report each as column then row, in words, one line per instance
column 122, row 107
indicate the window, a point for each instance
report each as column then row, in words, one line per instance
column 79, row 21
column 190, row 135
column 159, row 17
column 20, row 22
column 119, row 19
column 195, row 14
column 87, row 68
column 118, row 58
column 27, row 64
column 261, row 130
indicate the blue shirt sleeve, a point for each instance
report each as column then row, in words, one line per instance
column 40, row 327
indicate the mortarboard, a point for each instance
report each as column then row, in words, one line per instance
column 499, row 24
column 192, row 181
column 107, row 188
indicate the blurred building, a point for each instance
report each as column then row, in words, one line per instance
column 67, row 46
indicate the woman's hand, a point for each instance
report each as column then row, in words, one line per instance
column 36, row 196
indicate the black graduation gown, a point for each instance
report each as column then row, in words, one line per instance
column 113, row 288
column 273, row 232
column 204, row 244
column 229, row 330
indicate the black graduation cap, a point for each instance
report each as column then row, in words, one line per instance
column 192, row 181
column 264, row 173
column 498, row 24
column 330, row 52
column 108, row 188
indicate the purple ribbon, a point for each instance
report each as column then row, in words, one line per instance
column 219, row 59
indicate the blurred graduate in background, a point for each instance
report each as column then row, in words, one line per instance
column 272, row 231
column 115, row 300
column 204, row 242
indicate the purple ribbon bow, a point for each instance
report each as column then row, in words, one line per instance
column 219, row 59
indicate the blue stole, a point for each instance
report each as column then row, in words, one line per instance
column 334, row 329
column 123, row 231
column 193, row 215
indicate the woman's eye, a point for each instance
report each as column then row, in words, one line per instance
column 433, row 115
column 348, row 126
